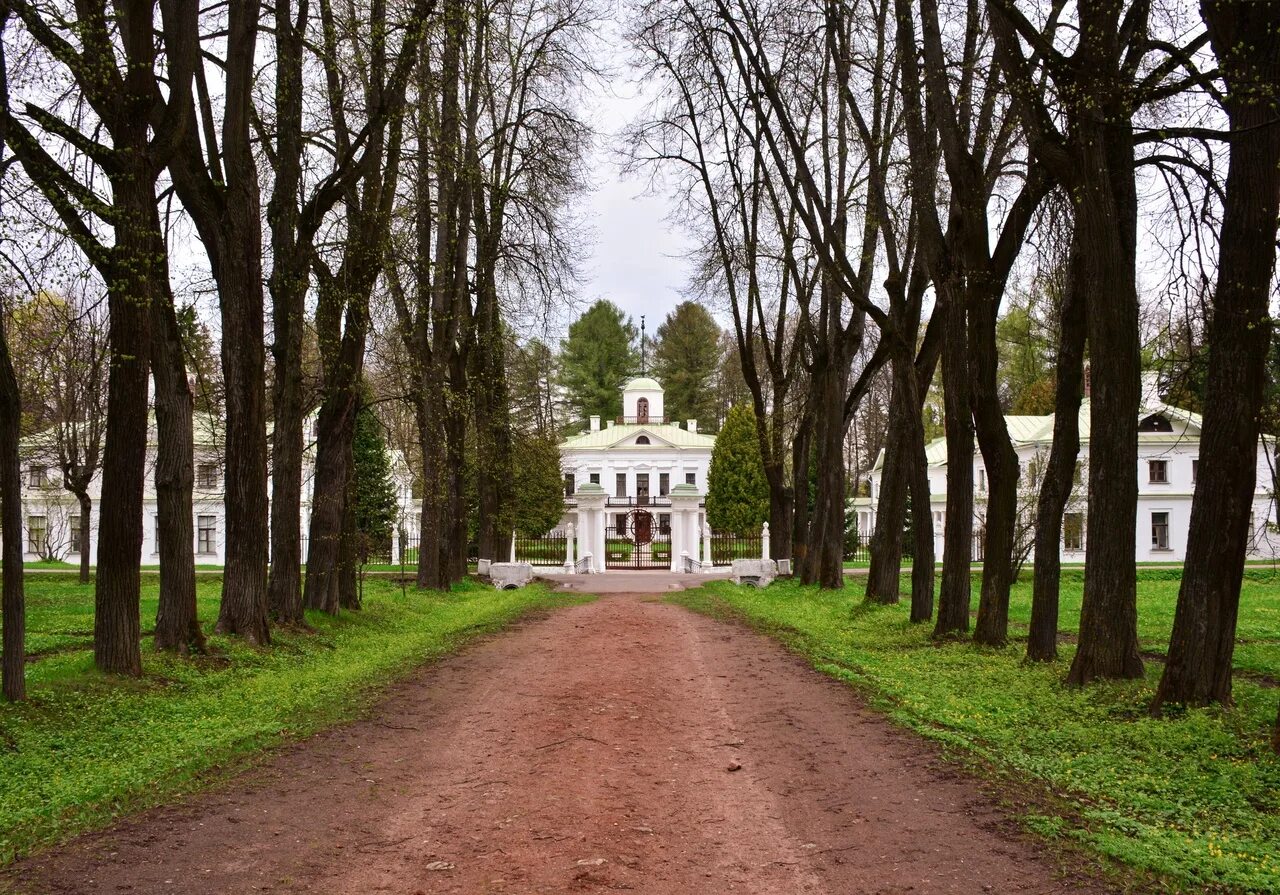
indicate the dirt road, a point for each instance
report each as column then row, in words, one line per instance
column 626, row 744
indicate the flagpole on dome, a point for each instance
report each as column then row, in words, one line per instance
column 644, row 370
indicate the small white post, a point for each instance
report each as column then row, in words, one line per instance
column 568, row 549
column 764, row 542
column 706, row 546
column 513, row 545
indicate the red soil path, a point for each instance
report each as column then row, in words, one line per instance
column 626, row 744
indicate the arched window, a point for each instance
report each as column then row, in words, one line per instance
column 642, row 411
column 643, row 439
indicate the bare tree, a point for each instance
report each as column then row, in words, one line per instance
column 13, row 608
column 1246, row 41
column 111, row 67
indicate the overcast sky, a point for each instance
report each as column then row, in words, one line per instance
column 638, row 258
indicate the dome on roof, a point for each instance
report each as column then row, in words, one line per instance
column 642, row 384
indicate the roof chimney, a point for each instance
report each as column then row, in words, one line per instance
column 692, row 425
column 609, row 425
column 595, row 424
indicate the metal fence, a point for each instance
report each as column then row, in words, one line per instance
column 728, row 546
column 544, row 550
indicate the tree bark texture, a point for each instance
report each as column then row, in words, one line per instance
column 1001, row 464
column 1246, row 40
column 177, row 624
column 288, row 285
column 957, row 550
column 13, row 601
column 1060, row 470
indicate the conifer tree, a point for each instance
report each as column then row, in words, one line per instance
column 598, row 356
column 737, row 492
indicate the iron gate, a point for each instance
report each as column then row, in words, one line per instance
column 639, row 539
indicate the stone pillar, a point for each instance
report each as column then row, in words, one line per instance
column 764, row 541
column 568, row 548
column 685, row 510
column 513, row 545
column 591, row 499
column 707, row 562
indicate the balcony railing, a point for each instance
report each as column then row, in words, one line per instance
column 641, row 501
column 650, row 420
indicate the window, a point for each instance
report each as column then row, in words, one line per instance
column 620, row 485
column 1159, row 531
column 664, row 484
column 643, row 439
column 642, row 411
column 620, row 524
column 1195, row 469
column 570, row 484
column 642, row 488
column 664, row 523
column 1158, row 471
column 207, row 535
column 207, row 475
column 37, row 534
column 74, row 523
column 1073, row 531
column 691, row 478
column 37, row 476
column 595, row 478
column 155, row 526
column 982, row 480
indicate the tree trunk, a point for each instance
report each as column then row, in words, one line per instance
column 13, row 603
column 288, row 285
column 350, row 552
column 957, row 550
column 1106, row 219
column 824, row 563
column 1246, row 40
column 884, row 575
column 431, row 574
column 86, row 533
column 337, row 420
column 1060, row 470
column 493, row 425
column 177, row 625
column 1001, row 463
column 922, row 560
column 116, row 622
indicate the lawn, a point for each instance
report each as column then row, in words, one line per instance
column 1194, row 798
column 86, row 749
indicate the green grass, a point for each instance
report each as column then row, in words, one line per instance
column 85, row 748
column 1194, row 798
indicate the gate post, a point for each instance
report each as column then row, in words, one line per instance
column 591, row 499
column 707, row 563
column 684, row 524
column 764, row 541
column 568, row 549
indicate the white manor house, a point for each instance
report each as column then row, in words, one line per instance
column 51, row 514
column 634, row 486
column 1168, row 456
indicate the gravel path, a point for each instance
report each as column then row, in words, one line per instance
column 626, row 744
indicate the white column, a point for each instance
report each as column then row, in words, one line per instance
column 677, row 541
column 764, row 541
column 706, row 544
column 513, row 545
column 568, row 548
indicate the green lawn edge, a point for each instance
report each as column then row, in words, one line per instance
column 1193, row 801
column 86, row 750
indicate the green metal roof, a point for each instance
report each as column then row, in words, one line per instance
column 642, row 384
column 606, row 438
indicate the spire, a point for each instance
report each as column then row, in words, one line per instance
column 643, row 369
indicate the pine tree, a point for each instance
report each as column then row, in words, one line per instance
column 539, row 484
column 374, row 491
column 737, row 492
column 597, row 358
column 686, row 360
